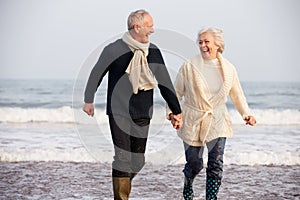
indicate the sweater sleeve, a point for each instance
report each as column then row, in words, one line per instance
column 179, row 89
column 179, row 84
column 237, row 96
column 96, row 76
column 165, row 85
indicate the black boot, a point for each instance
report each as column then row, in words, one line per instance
column 212, row 188
column 132, row 175
column 188, row 192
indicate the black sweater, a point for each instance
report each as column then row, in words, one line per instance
column 121, row 100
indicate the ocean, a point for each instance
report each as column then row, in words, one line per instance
column 41, row 121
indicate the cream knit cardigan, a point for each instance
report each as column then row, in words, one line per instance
column 199, row 110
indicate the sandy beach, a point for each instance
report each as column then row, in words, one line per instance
column 45, row 153
column 70, row 180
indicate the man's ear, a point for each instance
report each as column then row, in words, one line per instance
column 136, row 28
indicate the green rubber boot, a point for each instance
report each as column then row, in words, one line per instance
column 188, row 193
column 212, row 188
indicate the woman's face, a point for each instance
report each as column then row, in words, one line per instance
column 207, row 46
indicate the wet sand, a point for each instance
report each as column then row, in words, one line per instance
column 65, row 180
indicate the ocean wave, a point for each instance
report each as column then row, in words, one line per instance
column 275, row 94
column 82, row 155
column 270, row 116
column 69, row 115
column 262, row 158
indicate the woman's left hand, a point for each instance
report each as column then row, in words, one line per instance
column 250, row 120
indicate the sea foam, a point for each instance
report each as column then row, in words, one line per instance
column 70, row 115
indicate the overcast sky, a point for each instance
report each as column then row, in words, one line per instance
column 53, row 38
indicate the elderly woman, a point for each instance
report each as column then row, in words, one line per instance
column 205, row 82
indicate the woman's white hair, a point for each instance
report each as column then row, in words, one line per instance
column 136, row 17
column 217, row 34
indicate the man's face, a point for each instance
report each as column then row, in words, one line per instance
column 207, row 46
column 145, row 30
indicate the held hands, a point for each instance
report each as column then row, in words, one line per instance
column 250, row 120
column 176, row 120
column 88, row 108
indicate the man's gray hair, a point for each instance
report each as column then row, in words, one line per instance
column 136, row 17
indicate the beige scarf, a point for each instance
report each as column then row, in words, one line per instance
column 138, row 70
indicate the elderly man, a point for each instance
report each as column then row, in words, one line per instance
column 133, row 64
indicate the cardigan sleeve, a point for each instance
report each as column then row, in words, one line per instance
column 180, row 84
column 237, row 96
column 179, row 88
